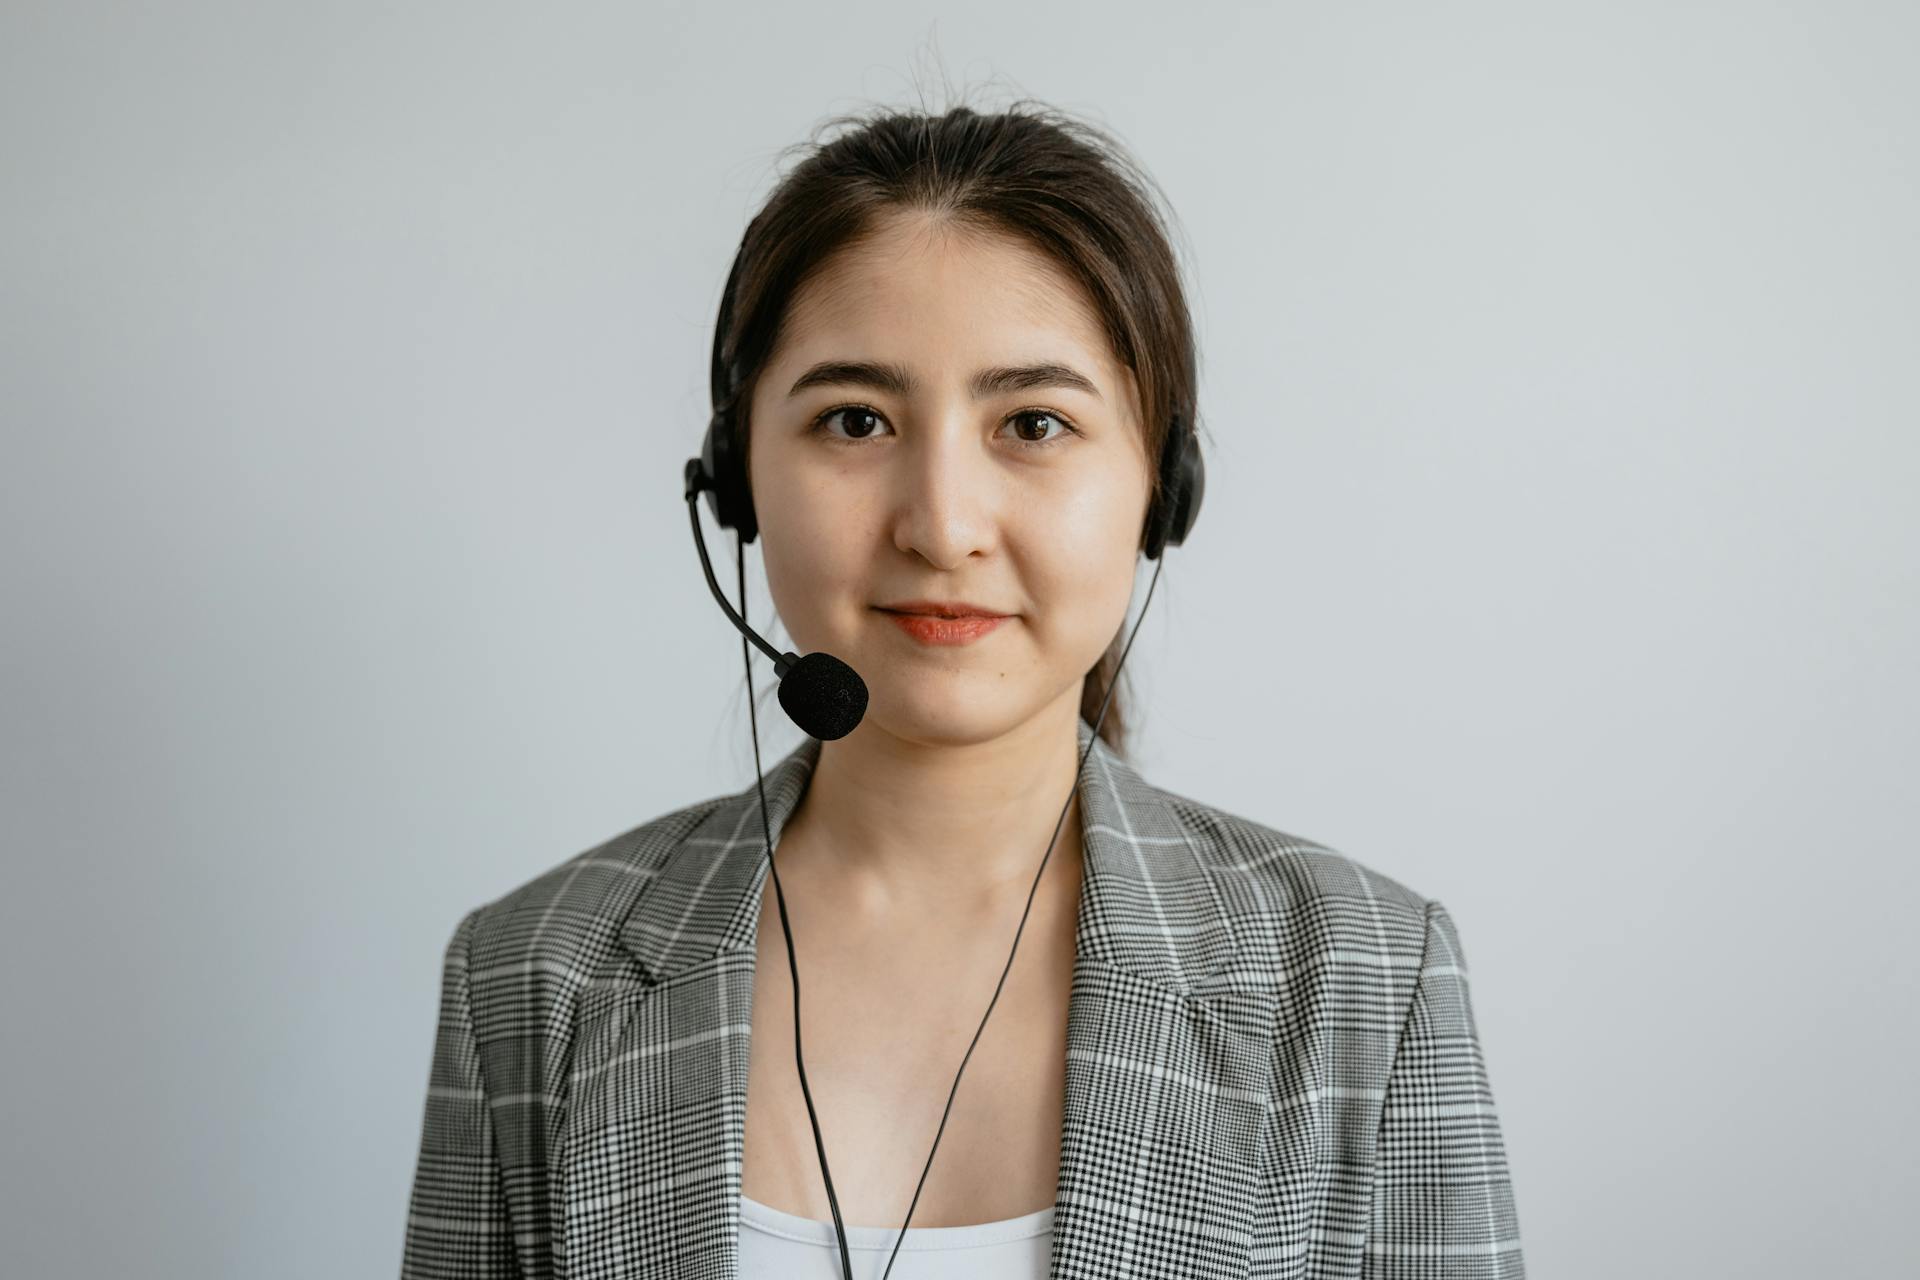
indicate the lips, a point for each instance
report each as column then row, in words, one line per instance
column 933, row 629
column 942, row 609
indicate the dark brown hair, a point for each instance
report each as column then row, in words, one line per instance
column 1064, row 186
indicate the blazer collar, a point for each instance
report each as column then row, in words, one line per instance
column 1174, row 1155
column 1147, row 904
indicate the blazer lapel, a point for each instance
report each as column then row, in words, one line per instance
column 1170, row 1055
column 656, row 1133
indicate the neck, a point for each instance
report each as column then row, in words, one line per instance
column 898, row 826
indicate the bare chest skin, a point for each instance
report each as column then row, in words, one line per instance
column 887, row 1014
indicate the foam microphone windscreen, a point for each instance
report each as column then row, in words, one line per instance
column 824, row 696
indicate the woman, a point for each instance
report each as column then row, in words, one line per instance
column 953, row 372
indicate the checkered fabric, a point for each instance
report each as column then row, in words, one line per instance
column 1272, row 1063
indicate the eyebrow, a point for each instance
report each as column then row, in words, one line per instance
column 895, row 379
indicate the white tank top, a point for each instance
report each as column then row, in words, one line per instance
column 783, row 1246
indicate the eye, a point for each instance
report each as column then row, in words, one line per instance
column 860, row 417
column 863, row 422
column 1046, row 417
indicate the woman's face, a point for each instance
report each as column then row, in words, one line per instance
column 922, row 478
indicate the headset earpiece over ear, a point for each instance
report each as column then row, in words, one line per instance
column 728, row 496
column 1183, row 481
column 722, row 463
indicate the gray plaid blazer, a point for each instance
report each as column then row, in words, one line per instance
column 1273, row 1068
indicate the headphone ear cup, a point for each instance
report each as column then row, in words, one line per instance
column 1192, row 486
column 729, row 498
column 1183, row 481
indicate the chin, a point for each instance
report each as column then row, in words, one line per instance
column 956, row 716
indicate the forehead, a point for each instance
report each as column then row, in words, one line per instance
column 944, row 298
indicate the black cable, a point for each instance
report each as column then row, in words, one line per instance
column 746, row 657
column 753, row 717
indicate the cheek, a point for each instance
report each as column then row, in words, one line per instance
column 800, row 538
column 1094, row 529
column 801, row 568
column 1084, row 584
column 791, row 498
column 817, row 565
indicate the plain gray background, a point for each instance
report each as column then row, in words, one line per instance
column 1558, row 556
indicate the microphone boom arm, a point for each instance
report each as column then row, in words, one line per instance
column 696, row 480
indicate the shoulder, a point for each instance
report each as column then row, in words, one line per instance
column 1280, row 886
column 549, row 935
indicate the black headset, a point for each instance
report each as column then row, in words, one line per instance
column 1175, row 507
column 827, row 698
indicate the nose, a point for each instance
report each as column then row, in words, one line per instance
column 947, row 493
